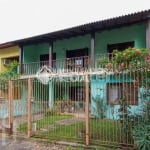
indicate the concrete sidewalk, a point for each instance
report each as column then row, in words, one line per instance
column 10, row 144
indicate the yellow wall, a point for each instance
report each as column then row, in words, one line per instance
column 7, row 53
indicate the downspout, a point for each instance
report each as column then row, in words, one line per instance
column 51, row 88
column 92, row 50
column 148, row 34
column 50, row 54
column 21, row 60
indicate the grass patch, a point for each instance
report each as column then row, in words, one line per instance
column 107, row 131
column 47, row 120
column 66, row 132
column 100, row 130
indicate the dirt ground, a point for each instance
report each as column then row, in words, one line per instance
column 23, row 144
column 32, row 144
column 28, row 145
column 10, row 144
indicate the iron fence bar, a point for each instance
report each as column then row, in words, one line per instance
column 29, row 107
column 87, row 108
column 10, row 105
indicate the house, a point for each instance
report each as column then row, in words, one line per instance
column 78, row 49
column 8, row 52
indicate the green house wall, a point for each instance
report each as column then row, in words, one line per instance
column 136, row 33
column 79, row 42
column 99, row 90
column 31, row 53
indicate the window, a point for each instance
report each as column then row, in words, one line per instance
column 77, row 53
column 7, row 61
column 44, row 59
column 118, row 91
column 77, row 93
column 119, row 46
column 77, row 58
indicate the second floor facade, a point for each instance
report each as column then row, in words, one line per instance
column 81, row 47
column 81, row 51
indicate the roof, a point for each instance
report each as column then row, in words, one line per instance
column 6, row 45
column 88, row 28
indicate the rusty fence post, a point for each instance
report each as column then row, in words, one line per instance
column 29, row 111
column 10, row 106
column 87, row 109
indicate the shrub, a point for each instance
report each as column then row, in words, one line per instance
column 141, row 129
column 64, row 105
column 51, row 112
column 99, row 107
column 125, row 120
column 141, row 134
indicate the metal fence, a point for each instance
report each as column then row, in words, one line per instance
column 103, row 106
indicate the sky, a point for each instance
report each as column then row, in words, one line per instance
column 26, row 18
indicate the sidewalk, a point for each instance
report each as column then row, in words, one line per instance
column 10, row 144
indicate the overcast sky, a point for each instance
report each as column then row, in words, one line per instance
column 26, row 18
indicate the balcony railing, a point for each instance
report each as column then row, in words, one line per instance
column 79, row 64
column 62, row 65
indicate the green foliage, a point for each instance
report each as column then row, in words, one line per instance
column 64, row 103
column 141, row 129
column 99, row 107
column 145, row 93
column 51, row 112
column 100, row 129
column 74, row 148
column 146, row 111
column 132, row 59
column 10, row 73
column 125, row 120
column 133, row 55
column 141, row 134
column 70, row 63
column 103, row 61
column 127, row 59
column 61, row 105
column 44, row 122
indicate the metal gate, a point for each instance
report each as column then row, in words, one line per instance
column 19, row 106
column 13, row 108
column 100, row 109
column 4, row 107
column 104, row 109
column 58, row 110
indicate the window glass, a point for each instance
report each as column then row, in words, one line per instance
column 122, row 91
